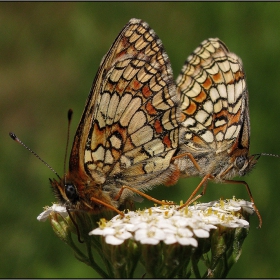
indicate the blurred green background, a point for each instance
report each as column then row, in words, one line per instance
column 49, row 54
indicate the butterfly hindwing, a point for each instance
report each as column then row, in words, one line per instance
column 215, row 124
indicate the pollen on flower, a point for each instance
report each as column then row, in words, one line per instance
column 222, row 217
column 150, row 233
column 186, row 211
column 238, row 215
column 102, row 223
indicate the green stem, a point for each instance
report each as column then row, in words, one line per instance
column 93, row 264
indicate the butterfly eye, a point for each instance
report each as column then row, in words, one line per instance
column 240, row 161
column 71, row 193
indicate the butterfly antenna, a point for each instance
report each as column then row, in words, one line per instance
column 270, row 155
column 69, row 116
column 15, row 138
column 265, row 154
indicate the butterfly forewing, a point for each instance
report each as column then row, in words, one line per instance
column 128, row 132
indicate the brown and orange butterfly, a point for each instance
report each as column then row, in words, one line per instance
column 128, row 131
column 215, row 124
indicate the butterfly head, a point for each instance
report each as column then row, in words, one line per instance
column 85, row 196
column 238, row 165
column 244, row 164
column 66, row 193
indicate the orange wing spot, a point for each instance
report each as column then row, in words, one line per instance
column 208, row 83
column 198, row 140
column 120, row 86
column 191, row 109
column 158, row 126
column 201, row 97
column 116, row 154
column 100, row 164
column 222, row 128
column 182, row 117
column 136, row 85
column 122, row 53
column 122, row 47
column 217, row 78
column 239, row 75
column 146, row 91
column 234, row 119
column 109, row 86
column 222, row 113
column 150, row 109
column 99, row 137
column 128, row 145
column 166, row 141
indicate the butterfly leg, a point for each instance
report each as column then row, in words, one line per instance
column 117, row 197
column 98, row 201
column 190, row 157
column 251, row 197
column 75, row 224
column 191, row 199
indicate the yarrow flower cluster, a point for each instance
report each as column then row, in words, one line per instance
column 167, row 241
column 165, row 223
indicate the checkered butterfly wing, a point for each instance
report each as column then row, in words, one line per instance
column 215, row 125
column 128, row 132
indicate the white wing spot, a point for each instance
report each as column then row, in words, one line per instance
column 208, row 137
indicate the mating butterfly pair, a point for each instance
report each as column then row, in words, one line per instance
column 140, row 129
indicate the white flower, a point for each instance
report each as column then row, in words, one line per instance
column 118, row 238
column 111, row 239
column 167, row 223
column 170, row 225
column 114, row 231
column 170, row 239
column 103, row 231
column 201, row 233
column 54, row 208
column 150, row 235
column 187, row 241
column 184, row 236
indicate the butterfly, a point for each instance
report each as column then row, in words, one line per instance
column 214, row 123
column 129, row 131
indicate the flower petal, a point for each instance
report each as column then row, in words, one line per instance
column 111, row 239
column 54, row 208
column 201, row 233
